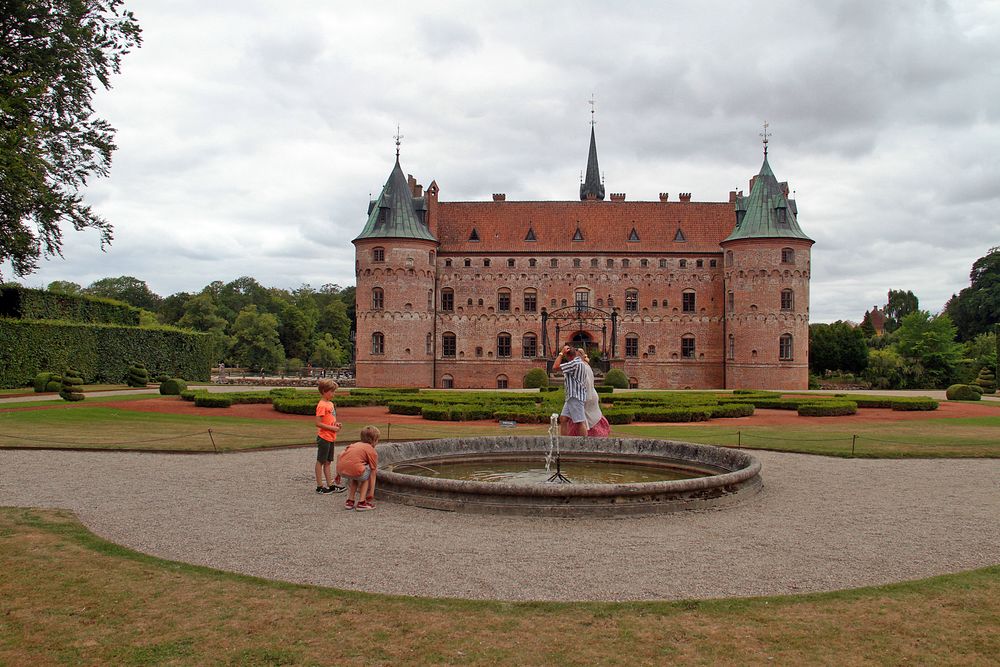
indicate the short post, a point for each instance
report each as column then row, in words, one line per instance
column 854, row 440
column 388, row 425
column 212, row 438
column 739, row 440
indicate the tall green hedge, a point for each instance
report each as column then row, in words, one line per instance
column 102, row 353
column 20, row 303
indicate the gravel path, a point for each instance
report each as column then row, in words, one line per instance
column 820, row 524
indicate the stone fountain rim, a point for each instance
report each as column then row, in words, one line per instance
column 751, row 467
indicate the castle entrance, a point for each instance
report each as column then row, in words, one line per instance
column 581, row 326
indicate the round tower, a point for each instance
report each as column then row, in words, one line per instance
column 395, row 265
column 766, row 266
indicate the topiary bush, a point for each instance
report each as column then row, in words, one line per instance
column 731, row 410
column 161, row 378
column 987, row 379
column 604, row 389
column 41, row 380
column 54, row 384
column 828, row 409
column 976, row 388
column 535, row 378
column 189, row 394
column 616, row 378
column 914, row 403
column 173, row 387
column 962, row 392
column 138, row 376
column 72, row 386
column 206, row 400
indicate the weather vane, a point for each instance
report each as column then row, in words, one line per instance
column 592, row 102
column 397, row 137
column 765, row 134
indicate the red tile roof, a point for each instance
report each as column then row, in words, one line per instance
column 503, row 225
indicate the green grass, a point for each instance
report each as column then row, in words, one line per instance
column 69, row 597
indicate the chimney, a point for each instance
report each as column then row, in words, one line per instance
column 418, row 190
column 685, row 196
column 664, row 196
column 499, row 196
column 617, row 196
column 412, row 183
column 732, row 196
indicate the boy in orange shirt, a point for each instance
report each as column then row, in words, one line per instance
column 326, row 438
column 358, row 464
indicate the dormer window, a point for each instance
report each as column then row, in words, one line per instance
column 782, row 215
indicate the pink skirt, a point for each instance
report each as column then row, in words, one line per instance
column 601, row 429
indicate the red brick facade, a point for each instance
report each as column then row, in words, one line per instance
column 468, row 311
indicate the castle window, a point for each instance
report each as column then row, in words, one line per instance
column 378, row 298
column 582, row 299
column 578, row 236
column 654, row 303
column 532, row 262
column 430, row 299
column 427, row 344
column 447, row 382
column 474, row 236
column 503, row 345
column 480, row 302
column 600, row 303
column 503, row 300
column 576, row 263
column 631, row 345
column 430, row 257
column 378, row 254
column 663, row 263
column 447, row 263
column 625, row 263
column 687, row 346
column 683, row 263
column 593, row 263
column 729, row 257
column 530, row 301
column 468, row 262
column 631, row 301
column 448, row 299
column 479, row 351
column 688, row 301
column 501, row 382
column 486, row 263
column 787, row 256
column 611, row 263
column 700, row 263
column 730, row 301
column 633, row 235
column 732, row 346
column 378, row 343
column 530, row 235
column 469, row 302
column 712, row 263
column 529, row 345
column 633, row 383
column 644, row 263
column 651, row 349
column 785, row 347
column 510, row 262
column 449, row 344
column 787, row 299
column 554, row 263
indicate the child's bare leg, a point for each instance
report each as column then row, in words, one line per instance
column 328, row 474
column 319, row 473
column 371, row 488
column 352, row 488
column 336, row 455
column 363, row 491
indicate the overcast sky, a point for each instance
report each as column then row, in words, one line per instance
column 252, row 133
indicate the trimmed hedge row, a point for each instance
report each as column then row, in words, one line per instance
column 828, row 409
column 21, row 303
column 101, row 352
column 206, row 400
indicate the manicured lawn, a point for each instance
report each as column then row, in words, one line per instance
column 69, row 597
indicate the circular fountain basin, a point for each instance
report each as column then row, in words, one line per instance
column 711, row 476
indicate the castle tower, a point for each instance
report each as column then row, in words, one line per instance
column 766, row 267
column 395, row 264
column 592, row 188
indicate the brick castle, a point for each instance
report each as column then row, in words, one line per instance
column 677, row 294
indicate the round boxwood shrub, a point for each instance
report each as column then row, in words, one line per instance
column 206, row 400
column 828, row 409
column 987, row 379
column 962, row 392
column 976, row 388
column 138, row 376
column 535, row 378
column 72, row 385
column 41, row 380
column 616, row 378
column 173, row 386
column 54, row 384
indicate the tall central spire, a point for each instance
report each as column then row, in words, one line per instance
column 592, row 188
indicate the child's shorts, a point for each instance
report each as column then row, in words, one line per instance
column 324, row 449
column 362, row 477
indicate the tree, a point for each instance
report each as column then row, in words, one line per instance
column 131, row 290
column 201, row 314
column 885, row 369
column 976, row 309
column 899, row 305
column 327, row 352
column 64, row 287
column 837, row 347
column 256, row 343
column 928, row 346
column 53, row 53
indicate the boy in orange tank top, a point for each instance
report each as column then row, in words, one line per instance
column 326, row 438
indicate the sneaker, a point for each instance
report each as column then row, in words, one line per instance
column 325, row 489
column 349, row 505
column 364, row 506
column 320, row 489
column 336, row 488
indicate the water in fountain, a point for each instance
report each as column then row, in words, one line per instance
column 553, row 440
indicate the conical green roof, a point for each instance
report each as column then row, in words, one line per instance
column 766, row 212
column 393, row 214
